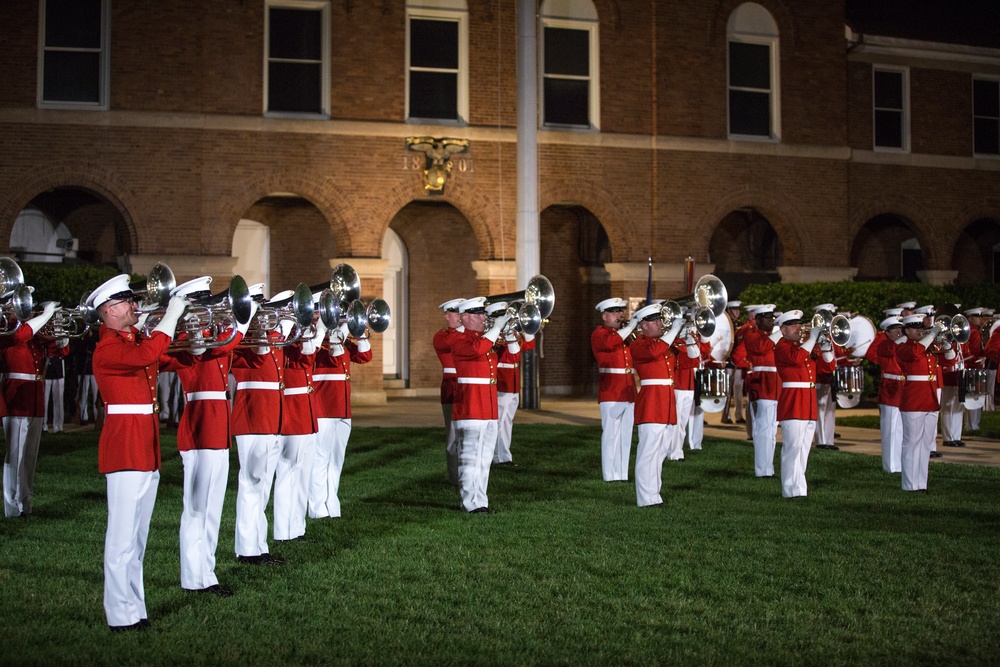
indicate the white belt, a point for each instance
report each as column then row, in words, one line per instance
column 890, row 376
column 657, row 382
column 476, row 381
column 506, row 365
column 797, row 385
column 130, row 409
column 763, row 369
column 616, row 371
column 23, row 376
column 329, row 376
column 448, row 371
column 295, row 391
column 921, row 378
column 206, row 396
column 273, row 386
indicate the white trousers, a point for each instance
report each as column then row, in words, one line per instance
column 258, row 460
column 734, row 406
column 950, row 414
column 476, row 441
column 23, row 435
column 206, row 472
column 685, row 404
column 450, row 444
column 168, row 393
column 55, row 389
column 765, row 435
column 328, row 464
column 919, row 433
column 617, row 418
column 291, row 485
column 826, row 415
column 891, row 426
column 972, row 419
column 506, row 409
column 654, row 441
column 796, row 439
column 131, row 496
column 88, row 394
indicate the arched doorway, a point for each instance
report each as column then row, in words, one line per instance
column 977, row 253
column 886, row 248
column 746, row 250
column 252, row 249
column 395, row 363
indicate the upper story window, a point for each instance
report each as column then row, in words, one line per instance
column 986, row 116
column 73, row 59
column 437, row 61
column 297, row 58
column 890, row 97
column 570, row 64
column 754, row 99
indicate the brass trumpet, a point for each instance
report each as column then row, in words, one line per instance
column 707, row 302
column 836, row 327
column 530, row 308
column 296, row 311
column 217, row 314
column 340, row 303
column 16, row 300
column 954, row 329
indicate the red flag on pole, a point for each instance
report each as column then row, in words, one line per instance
column 688, row 275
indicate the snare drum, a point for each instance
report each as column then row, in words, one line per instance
column 974, row 388
column 713, row 388
column 850, row 383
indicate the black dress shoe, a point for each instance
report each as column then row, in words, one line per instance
column 960, row 443
column 129, row 628
column 481, row 510
column 936, row 455
column 727, row 421
column 741, row 421
column 144, row 623
column 251, row 560
column 216, row 590
column 951, row 443
column 270, row 559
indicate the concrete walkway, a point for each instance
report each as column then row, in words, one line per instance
column 426, row 412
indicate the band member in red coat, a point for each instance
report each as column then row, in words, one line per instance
column 615, row 387
column 332, row 401
column 23, row 355
column 973, row 357
column 825, row 399
column 688, row 360
column 125, row 366
column 882, row 352
column 656, row 411
column 449, row 381
column 508, row 350
column 475, row 409
column 764, row 387
column 797, row 401
column 733, row 412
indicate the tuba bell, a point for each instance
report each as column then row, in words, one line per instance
column 340, row 303
column 16, row 300
column 954, row 329
column 530, row 307
column 836, row 327
column 700, row 308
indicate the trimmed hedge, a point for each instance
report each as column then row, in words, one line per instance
column 66, row 283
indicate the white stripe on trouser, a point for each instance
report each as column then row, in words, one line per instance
column 450, row 444
column 765, row 434
column 205, row 474
column 55, row 389
column 696, row 427
column 796, row 439
column 258, row 459
column 328, row 464
column 23, row 435
column 291, row 485
column 617, row 418
column 950, row 414
column 826, row 413
column 891, row 426
column 131, row 496
column 506, row 409
column 88, row 394
column 654, row 439
column 684, row 400
column 476, row 440
column 919, row 432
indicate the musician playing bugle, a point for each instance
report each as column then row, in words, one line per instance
column 615, row 387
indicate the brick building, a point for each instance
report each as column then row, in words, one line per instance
column 798, row 140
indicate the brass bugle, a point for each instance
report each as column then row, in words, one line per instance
column 297, row 310
column 539, row 293
column 219, row 314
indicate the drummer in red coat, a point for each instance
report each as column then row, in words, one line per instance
column 449, row 381
column 655, row 361
column 615, row 387
column 508, row 349
column 882, row 352
column 125, row 366
column 23, row 355
column 764, row 387
column 797, row 401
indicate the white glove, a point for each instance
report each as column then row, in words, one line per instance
column 498, row 325
column 671, row 334
column 514, row 347
column 339, row 335
column 38, row 321
column 814, row 334
column 529, row 337
column 946, row 346
column 242, row 328
column 62, row 342
column 825, row 345
column 142, row 321
column 175, row 308
column 775, row 336
column 197, row 347
column 311, row 345
column 625, row 331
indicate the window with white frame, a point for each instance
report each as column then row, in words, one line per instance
column 891, row 108
column 570, row 64
column 752, row 68
column 297, row 58
column 73, row 58
column 437, row 67
column 986, row 116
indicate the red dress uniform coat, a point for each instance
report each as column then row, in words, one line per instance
column 332, row 395
column 657, row 361
column 508, row 366
column 125, row 367
column 449, row 380
column 920, row 368
column 825, row 369
column 24, row 354
column 872, row 353
column 686, row 366
column 611, row 353
column 476, row 364
column 739, row 353
column 258, row 411
column 992, row 349
column 206, row 424
column 795, row 366
column 298, row 416
column 890, row 386
column 762, row 383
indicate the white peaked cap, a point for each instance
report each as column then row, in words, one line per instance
column 192, row 286
column 472, row 304
column 891, row 321
column 104, row 292
column 496, row 308
column 451, row 304
column 788, row 316
column 613, row 302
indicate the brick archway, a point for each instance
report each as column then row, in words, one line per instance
column 604, row 205
column 780, row 214
column 908, row 210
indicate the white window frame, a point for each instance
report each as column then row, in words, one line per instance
column 594, row 101
column 105, row 67
column 461, row 16
column 773, row 42
column 905, row 129
column 324, row 7
column 993, row 79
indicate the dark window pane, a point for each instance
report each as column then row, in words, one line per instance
column 913, row 261
column 294, row 87
column 433, row 95
column 750, row 65
column 434, row 44
column 986, row 98
column 889, row 129
column 73, row 23
column 567, row 52
column 889, row 90
column 749, row 113
column 986, row 132
column 567, row 102
column 296, row 34
column 72, row 77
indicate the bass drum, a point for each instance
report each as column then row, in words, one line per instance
column 862, row 335
column 723, row 338
column 713, row 388
column 975, row 386
column 850, row 384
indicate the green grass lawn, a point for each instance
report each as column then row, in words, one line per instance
column 568, row 571
column 989, row 424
